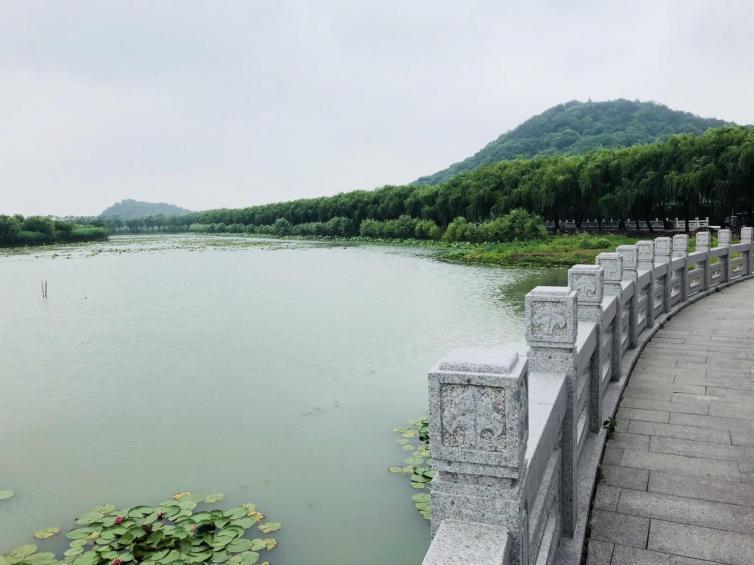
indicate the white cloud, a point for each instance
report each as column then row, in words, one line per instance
column 234, row 103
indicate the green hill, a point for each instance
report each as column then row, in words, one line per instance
column 578, row 127
column 128, row 209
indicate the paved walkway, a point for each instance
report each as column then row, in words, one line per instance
column 678, row 474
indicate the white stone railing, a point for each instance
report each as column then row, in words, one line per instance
column 516, row 440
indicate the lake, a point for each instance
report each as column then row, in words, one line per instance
column 271, row 371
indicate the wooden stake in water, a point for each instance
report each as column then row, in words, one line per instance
column 44, row 288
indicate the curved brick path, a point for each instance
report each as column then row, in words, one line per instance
column 678, row 474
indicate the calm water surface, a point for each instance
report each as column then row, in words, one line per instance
column 271, row 371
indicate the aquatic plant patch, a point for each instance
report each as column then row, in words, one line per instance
column 417, row 467
column 175, row 531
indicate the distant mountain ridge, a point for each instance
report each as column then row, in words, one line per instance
column 128, row 209
column 578, row 127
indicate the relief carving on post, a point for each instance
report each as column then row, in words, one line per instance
column 646, row 251
column 612, row 263
column 551, row 315
column 548, row 319
column 662, row 246
column 473, row 417
column 585, row 286
column 630, row 256
column 588, row 282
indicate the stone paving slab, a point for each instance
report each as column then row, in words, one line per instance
column 677, row 477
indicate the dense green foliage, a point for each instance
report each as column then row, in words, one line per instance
column 169, row 533
column 685, row 176
column 39, row 230
column 127, row 209
column 579, row 127
column 554, row 251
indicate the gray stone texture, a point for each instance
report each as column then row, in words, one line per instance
column 683, row 463
column 468, row 542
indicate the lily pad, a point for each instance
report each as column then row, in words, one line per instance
column 21, row 553
column 170, row 533
column 46, row 533
column 268, row 527
column 6, row 494
column 214, row 497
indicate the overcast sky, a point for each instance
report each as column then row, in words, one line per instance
column 223, row 104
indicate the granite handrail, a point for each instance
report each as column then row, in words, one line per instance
column 516, row 440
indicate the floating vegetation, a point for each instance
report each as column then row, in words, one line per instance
column 172, row 532
column 6, row 494
column 418, row 467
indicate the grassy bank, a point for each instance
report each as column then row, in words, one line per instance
column 554, row 251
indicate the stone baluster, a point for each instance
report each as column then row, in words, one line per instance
column 612, row 264
column 478, row 419
column 747, row 236
column 588, row 281
column 723, row 240
column 663, row 249
column 723, row 237
column 702, row 240
column 551, row 330
column 647, row 263
column 681, row 250
column 630, row 254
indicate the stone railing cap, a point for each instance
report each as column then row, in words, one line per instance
column 457, row 542
column 479, row 360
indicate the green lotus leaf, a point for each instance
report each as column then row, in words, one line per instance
column 41, row 559
column 187, row 504
column 79, row 542
column 220, row 557
column 395, row 469
column 200, row 556
column 239, row 545
column 214, row 497
column 421, row 497
column 79, row 533
column 21, row 553
column 268, row 527
column 418, row 485
column 6, row 494
column 46, row 533
column 235, row 513
column 90, row 518
column 170, row 510
column 87, row 558
column 234, row 530
column 244, row 523
column 140, row 511
column 246, row 558
column 104, row 509
column 73, row 551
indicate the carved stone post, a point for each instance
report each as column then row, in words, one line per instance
column 702, row 241
column 747, row 236
column 723, row 237
column 588, row 281
column 630, row 254
column 647, row 263
column 663, row 247
column 703, row 245
column 478, row 421
column 723, row 240
column 612, row 263
column 551, row 330
column 681, row 250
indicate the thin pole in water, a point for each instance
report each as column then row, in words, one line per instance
column 44, row 288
